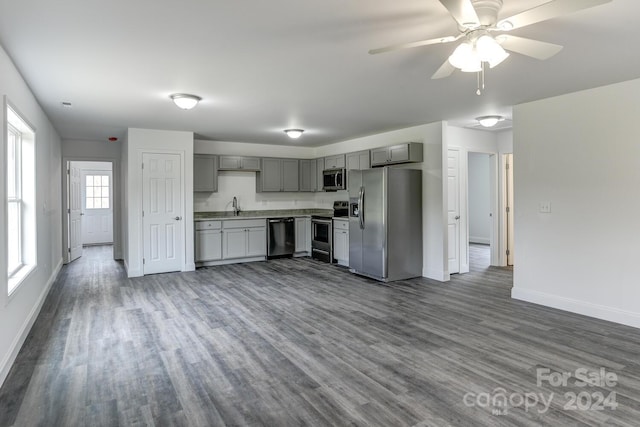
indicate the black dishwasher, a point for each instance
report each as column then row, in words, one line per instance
column 281, row 238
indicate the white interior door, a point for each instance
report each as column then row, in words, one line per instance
column 509, row 209
column 97, row 199
column 74, row 210
column 453, row 206
column 162, row 225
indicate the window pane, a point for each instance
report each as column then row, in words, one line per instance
column 89, row 180
column 105, row 181
column 105, row 203
column 11, row 166
column 89, row 202
column 13, row 243
column 105, row 192
column 96, row 181
column 89, row 192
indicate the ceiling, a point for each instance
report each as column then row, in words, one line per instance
column 263, row 66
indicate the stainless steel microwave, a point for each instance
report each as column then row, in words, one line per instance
column 334, row 179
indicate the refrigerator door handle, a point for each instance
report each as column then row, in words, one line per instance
column 361, row 208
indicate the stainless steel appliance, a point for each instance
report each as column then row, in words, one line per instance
column 322, row 238
column 334, row 179
column 385, row 223
column 281, row 237
column 341, row 208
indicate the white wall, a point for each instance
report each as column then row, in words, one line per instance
column 18, row 312
column 433, row 137
column 479, row 198
column 580, row 152
column 148, row 140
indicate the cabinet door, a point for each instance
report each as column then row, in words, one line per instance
column 307, row 175
column 379, row 156
column 234, row 243
column 341, row 246
column 230, row 162
column 359, row 160
column 399, row 153
column 250, row 163
column 271, row 175
column 256, row 241
column 319, row 171
column 290, row 177
column 205, row 173
column 301, row 234
column 208, row 245
column 365, row 159
column 334, row 162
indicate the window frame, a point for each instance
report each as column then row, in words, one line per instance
column 17, row 198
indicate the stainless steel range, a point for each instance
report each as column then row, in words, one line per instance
column 322, row 232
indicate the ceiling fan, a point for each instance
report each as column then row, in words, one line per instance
column 478, row 19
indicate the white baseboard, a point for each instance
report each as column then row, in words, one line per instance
column 481, row 240
column 612, row 314
column 16, row 345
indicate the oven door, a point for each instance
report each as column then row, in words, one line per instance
column 321, row 240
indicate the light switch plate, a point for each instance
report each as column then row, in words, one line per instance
column 544, row 207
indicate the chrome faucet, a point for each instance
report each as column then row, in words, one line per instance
column 236, row 209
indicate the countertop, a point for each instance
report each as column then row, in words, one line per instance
column 208, row 216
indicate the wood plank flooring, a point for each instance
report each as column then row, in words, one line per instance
column 296, row 342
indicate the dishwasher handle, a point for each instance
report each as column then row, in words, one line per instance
column 276, row 220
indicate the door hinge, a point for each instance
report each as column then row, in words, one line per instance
column 143, row 214
column 508, row 252
column 508, row 209
column 144, row 261
column 507, row 165
column 143, row 166
column 68, row 211
column 68, row 172
column 69, row 250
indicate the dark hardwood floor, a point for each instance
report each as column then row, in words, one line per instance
column 299, row 342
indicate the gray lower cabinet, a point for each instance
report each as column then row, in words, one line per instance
column 228, row 163
column 208, row 241
column 244, row 238
column 410, row 152
column 205, row 173
column 278, row 175
column 308, row 175
column 303, row 235
column 341, row 241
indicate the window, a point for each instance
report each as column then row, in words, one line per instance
column 20, row 178
column 97, row 192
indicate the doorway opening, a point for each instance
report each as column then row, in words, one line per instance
column 480, row 211
column 91, row 206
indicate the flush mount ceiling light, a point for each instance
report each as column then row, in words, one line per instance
column 185, row 101
column 489, row 121
column 294, row 133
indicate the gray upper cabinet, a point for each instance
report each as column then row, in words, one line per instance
column 359, row 160
column 319, row 174
column 410, row 152
column 205, row 173
column 334, row 162
column 278, row 175
column 308, row 175
column 229, row 163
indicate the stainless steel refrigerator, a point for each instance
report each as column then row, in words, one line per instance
column 385, row 223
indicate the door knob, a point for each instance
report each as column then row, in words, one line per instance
column 178, row 218
column 457, row 217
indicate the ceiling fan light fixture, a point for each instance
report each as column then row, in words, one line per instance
column 505, row 26
column 294, row 133
column 489, row 121
column 489, row 50
column 185, row 101
column 465, row 58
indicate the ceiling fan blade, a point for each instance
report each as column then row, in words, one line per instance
column 533, row 48
column 448, row 39
column 444, row 71
column 547, row 11
column 463, row 12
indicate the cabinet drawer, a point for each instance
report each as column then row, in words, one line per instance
column 340, row 224
column 244, row 223
column 208, row 225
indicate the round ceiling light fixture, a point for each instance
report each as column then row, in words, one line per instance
column 294, row 133
column 489, row 121
column 185, row 101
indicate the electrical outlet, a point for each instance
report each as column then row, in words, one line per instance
column 544, row 207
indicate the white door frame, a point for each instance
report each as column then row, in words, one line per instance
column 115, row 168
column 504, row 226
